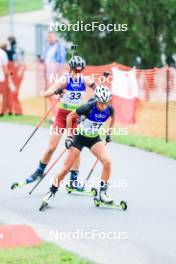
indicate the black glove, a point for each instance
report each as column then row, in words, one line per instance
column 59, row 91
column 69, row 142
column 108, row 138
column 106, row 74
column 92, row 85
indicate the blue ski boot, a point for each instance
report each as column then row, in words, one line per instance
column 74, row 184
column 35, row 176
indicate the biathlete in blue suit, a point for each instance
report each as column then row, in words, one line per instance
column 93, row 115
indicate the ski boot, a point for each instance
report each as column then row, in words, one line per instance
column 37, row 175
column 75, row 186
column 48, row 197
column 103, row 196
column 106, row 201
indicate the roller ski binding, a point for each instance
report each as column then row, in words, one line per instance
column 75, row 187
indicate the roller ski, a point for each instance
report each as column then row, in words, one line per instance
column 81, row 190
column 121, row 206
column 104, row 200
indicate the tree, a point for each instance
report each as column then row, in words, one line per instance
column 151, row 29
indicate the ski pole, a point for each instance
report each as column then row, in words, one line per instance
column 38, row 125
column 52, row 165
column 91, row 171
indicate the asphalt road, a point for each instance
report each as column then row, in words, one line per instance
column 143, row 234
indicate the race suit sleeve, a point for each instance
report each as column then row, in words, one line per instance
column 112, row 111
column 84, row 109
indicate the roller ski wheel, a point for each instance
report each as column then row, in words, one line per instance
column 97, row 202
column 14, row 186
column 68, row 189
column 17, row 184
column 94, row 191
column 121, row 206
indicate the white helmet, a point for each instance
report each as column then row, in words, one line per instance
column 102, row 94
column 77, row 63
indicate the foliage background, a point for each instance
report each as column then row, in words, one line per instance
column 151, row 30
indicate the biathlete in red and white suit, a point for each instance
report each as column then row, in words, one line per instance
column 72, row 89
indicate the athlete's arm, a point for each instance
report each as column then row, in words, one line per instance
column 112, row 117
column 69, row 121
column 56, row 88
column 111, row 125
column 80, row 111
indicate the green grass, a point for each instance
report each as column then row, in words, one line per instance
column 156, row 145
column 27, row 119
column 46, row 253
column 20, row 6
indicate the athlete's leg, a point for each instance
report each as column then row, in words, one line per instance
column 73, row 153
column 53, row 143
column 74, row 171
column 101, row 152
column 71, row 157
column 76, row 164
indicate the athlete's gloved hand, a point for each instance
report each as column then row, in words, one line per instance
column 108, row 137
column 69, row 142
column 59, row 91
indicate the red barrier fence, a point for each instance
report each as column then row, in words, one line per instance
column 156, row 116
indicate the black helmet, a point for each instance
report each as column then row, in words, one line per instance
column 77, row 63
